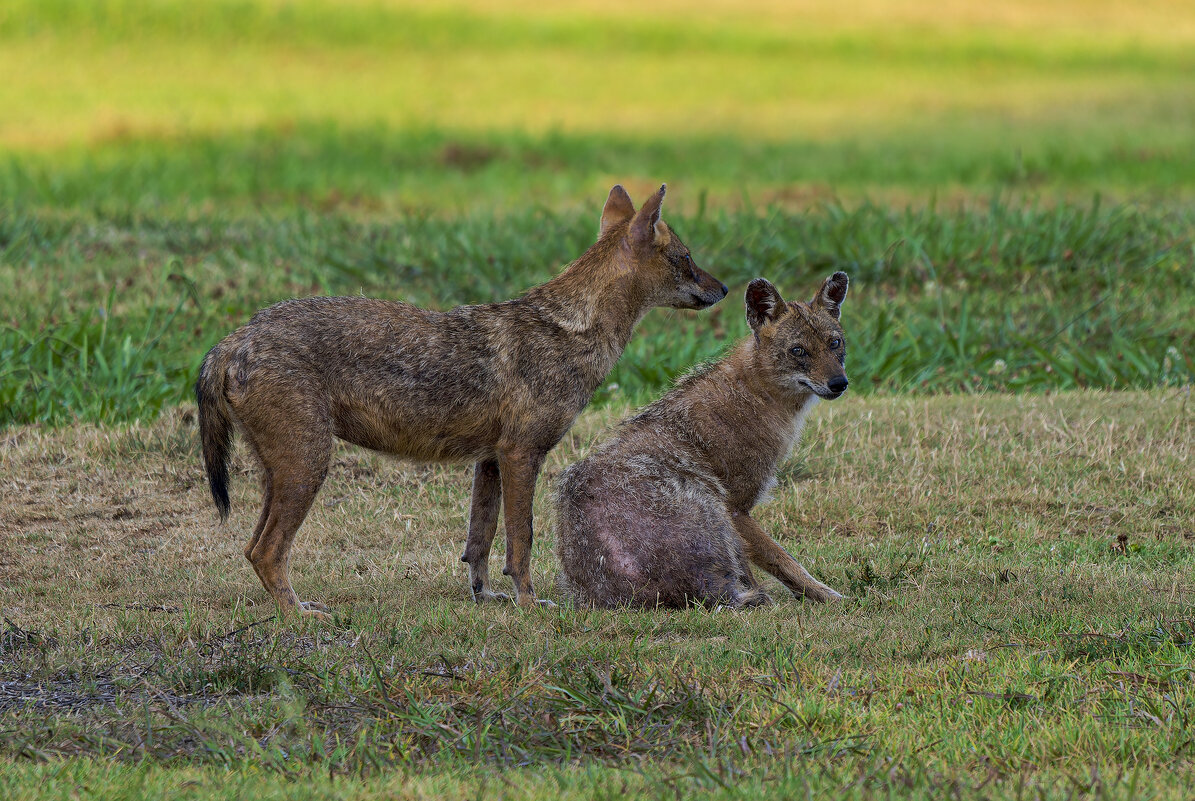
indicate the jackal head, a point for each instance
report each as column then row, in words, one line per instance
column 662, row 262
column 801, row 345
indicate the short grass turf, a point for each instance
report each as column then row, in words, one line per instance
column 1019, row 570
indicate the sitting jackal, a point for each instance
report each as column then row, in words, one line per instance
column 497, row 385
column 660, row 513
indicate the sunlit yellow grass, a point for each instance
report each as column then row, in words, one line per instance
column 1148, row 20
column 828, row 69
column 99, row 92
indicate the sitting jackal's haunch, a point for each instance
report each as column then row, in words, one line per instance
column 497, row 385
column 660, row 513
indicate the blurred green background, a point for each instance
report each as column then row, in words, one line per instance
column 460, row 105
column 1008, row 183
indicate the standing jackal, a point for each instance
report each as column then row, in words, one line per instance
column 660, row 513
column 495, row 384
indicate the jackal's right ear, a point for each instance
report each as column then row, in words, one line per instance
column 643, row 227
column 763, row 303
column 618, row 209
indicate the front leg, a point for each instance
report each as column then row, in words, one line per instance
column 519, row 468
column 483, row 524
column 765, row 552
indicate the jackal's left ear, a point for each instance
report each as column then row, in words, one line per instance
column 618, row 209
column 832, row 294
column 644, row 228
column 763, row 303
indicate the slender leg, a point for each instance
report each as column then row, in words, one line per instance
column 764, row 551
column 295, row 462
column 483, row 524
column 291, row 498
column 267, row 501
column 519, row 469
column 263, row 520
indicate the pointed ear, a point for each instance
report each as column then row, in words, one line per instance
column 832, row 294
column 618, row 209
column 763, row 303
column 643, row 226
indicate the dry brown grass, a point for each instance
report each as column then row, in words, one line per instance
column 95, row 516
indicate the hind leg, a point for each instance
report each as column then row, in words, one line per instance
column 267, row 504
column 751, row 592
column 293, row 493
column 266, row 578
column 295, row 466
column 262, row 520
column 693, row 555
column 483, row 524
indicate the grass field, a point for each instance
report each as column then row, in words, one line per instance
column 1006, row 494
column 1020, row 572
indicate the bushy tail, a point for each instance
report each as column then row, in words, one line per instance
column 215, row 428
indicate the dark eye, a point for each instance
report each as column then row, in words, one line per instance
column 835, row 343
column 799, row 351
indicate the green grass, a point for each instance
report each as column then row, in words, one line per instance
column 100, row 779
column 374, row 169
column 1019, row 624
column 108, row 316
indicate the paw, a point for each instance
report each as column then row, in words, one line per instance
column 753, row 598
column 820, row 595
column 315, row 610
column 745, row 600
column 489, row 595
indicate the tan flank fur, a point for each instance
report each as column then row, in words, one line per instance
column 660, row 514
column 497, row 385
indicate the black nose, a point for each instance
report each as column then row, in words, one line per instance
column 725, row 290
column 838, row 384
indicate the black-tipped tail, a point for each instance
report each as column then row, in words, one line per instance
column 215, row 431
